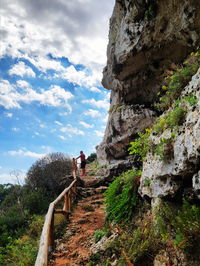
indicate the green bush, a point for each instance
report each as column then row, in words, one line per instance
column 122, row 198
column 36, row 201
column 91, row 158
column 141, row 145
column 23, row 251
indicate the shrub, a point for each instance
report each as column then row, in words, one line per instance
column 48, row 172
column 23, row 251
column 36, row 201
column 91, row 158
column 141, row 145
column 122, row 198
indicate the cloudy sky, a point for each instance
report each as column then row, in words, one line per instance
column 52, row 53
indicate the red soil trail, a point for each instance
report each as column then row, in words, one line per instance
column 88, row 216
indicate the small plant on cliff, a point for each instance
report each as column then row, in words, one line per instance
column 176, row 82
column 122, row 196
column 165, row 149
column 171, row 120
column 105, row 231
column 147, row 182
column 191, row 99
column 141, row 145
column 184, row 224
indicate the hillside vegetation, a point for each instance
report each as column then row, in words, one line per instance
column 23, row 208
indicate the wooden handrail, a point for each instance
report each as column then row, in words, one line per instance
column 46, row 239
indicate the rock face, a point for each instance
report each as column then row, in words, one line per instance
column 166, row 178
column 123, row 124
column 146, row 38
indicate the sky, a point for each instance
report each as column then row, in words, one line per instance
column 52, row 53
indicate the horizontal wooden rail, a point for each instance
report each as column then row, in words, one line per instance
column 47, row 238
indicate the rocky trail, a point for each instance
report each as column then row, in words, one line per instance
column 88, row 216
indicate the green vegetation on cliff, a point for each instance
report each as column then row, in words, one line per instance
column 122, row 198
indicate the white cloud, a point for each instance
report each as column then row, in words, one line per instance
column 105, row 119
column 44, row 63
column 15, row 129
column 14, row 177
column 22, row 84
column 92, row 113
column 58, row 123
column 95, row 89
column 47, row 149
column 86, row 125
column 38, row 134
column 74, row 32
column 62, row 137
column 8, row 95
column 54, row 96
column 72, row 130
column 82, row 77
column 22, row 70
column 63, row 113
column 42, row 126
column 26, row 153
column 99, row 133
column 6, row 178
column 9, row 115
column 99, row 104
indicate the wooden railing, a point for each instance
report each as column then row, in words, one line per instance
column 47, row 236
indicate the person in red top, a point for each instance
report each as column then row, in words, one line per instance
column 83, row 162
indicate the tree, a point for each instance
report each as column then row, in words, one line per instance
column 92, row 157
column 48, row 173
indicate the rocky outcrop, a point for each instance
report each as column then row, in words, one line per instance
column 123, row 124
column 167, row 177
column 146, row 39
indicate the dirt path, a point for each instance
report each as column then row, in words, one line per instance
column 87, row 217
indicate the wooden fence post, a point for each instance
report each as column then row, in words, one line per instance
column 66, row 204
column 69, row 201
column 51, row 235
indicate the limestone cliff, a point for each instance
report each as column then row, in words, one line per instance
column 146, row 39
column 181, row 172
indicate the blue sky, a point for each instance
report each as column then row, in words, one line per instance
column 51, row 100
